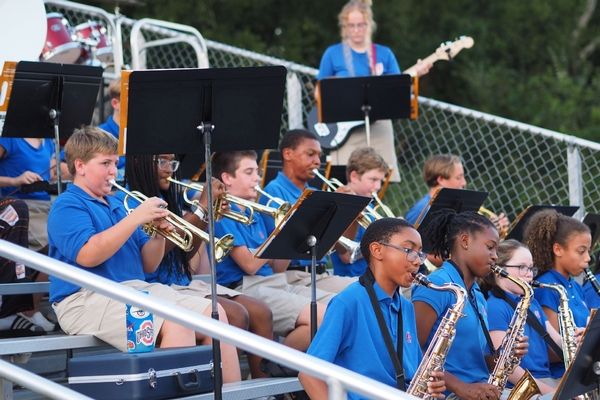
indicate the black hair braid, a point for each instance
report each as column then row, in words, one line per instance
column 142, row 175
column 446, row 226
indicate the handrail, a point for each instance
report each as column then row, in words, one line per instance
column 332, row 374
column 37, row 384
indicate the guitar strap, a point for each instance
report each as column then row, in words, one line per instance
column 373, row 61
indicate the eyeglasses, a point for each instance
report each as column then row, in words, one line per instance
column 523, row 269
column 162, row 164
column 360, row 26
column 411, row 255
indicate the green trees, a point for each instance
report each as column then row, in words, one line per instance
column 533, row 61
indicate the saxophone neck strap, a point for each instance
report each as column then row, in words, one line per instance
column 532, row 321
column 367, row 280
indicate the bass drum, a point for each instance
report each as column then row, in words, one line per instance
column 90, row 33
column 59, row 46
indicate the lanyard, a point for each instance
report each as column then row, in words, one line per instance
column 475, row 305
column 367, row 280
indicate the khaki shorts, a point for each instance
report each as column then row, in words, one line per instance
column 328, row 283
column 286, row 301
column 202, row 289
column 90, row 313
column 382, row 139
column 38, row 223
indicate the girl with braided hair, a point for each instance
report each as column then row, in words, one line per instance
column 148, row 175
column 560, row 246
column 467, row 242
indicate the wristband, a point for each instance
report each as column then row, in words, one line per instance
column 199, row 212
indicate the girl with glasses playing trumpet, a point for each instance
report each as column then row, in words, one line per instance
column 149, row 175
column 560, row 248
column 516, row 259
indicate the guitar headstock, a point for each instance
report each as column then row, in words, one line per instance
column 449, row 50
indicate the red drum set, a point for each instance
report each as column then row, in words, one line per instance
column 87, row 43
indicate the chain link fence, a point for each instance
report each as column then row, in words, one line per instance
column 517, row 164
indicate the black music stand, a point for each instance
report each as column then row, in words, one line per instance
column 50, row 100
column 368, row 97
column 315, row 223
column 182, row 110
column 459, row 200
column 583, row 374
column 515, row 230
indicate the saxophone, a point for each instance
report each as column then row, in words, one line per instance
column 435, row 356
column 566, row 324
column 507, row 361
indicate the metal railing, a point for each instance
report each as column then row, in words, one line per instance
column 339, row 379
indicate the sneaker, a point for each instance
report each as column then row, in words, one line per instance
column 39, row 320
column 22, row 327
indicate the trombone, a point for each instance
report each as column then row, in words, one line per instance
column 223, row 246
column 276, row 213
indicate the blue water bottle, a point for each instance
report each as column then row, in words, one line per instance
column 140, row 329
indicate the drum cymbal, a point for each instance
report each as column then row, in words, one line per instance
column 22, row 30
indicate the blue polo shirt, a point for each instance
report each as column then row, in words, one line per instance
column 333, row 62
column 413, row 214
column 251, row 236
column 355, row 269
column 281, row 187
column 22, row 157
column 550, row 298
column 74, row 218
column 466, row 355
column 592, row 299
column 536, row 360
column 350, row 337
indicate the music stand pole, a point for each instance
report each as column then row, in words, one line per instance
column 206, row 129
column 54, row 115
column 312, row 242
column 366, row 108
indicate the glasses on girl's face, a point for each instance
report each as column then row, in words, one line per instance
column 523, row 269
column 359, row 26
column 163, row 163
column 411, row 255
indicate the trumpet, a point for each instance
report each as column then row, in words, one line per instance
column 386, row 210
column 493, row 217
column 220, row 211
column 364, row 219
column 223, row 246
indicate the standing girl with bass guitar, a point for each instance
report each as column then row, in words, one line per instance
column 357, row 55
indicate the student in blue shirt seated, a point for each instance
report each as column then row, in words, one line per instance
column 560, row 246
column 300, row 154
column 364, row 173
column 467, row 243
column 516, row 259
column 350, row 334
column 149, row 175
column 90, row 229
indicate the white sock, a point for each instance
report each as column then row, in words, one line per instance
column 6, row 323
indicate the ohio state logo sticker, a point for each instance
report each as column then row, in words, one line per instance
column 145, row 335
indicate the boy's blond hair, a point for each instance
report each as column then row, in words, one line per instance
column 87, row 142
column 365, row 159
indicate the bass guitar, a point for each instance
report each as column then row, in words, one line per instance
column 333, row 135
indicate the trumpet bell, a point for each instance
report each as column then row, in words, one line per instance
column 223, row 247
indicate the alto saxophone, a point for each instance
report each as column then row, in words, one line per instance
column 507, row 361
column 435, row 356
column 567, row 327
